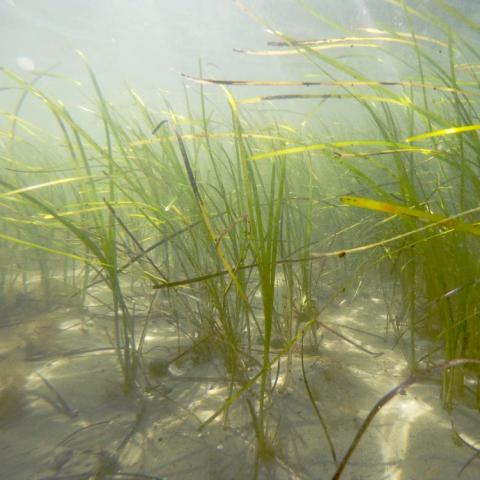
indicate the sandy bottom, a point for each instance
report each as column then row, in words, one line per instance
column 95, row 432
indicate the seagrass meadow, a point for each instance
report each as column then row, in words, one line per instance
column 278, row 279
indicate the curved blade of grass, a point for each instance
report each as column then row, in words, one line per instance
column 94, row 207
column 400, row 388
column 324, row 96
column 393, row 209
column 36, row 246
column 56, row 108
column 398, row 148
column 80, row 234
column 451, row 10
column 19, row 191
column 443, row 132
column 319, row 415
column 199, row 136
column 365, row 42
column 331, row 83
column 207, row 220
column 425, row 38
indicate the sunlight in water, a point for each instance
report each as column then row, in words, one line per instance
column 399, row 420
column 25, row 63
column 387, row 67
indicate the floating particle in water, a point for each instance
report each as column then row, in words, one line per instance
column 26, row 63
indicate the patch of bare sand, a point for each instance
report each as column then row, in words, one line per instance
column 102, row 434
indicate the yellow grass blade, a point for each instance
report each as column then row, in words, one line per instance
column 393, row 209
column 443, row 132
column 351, row 143
column 43, row 185
column 37, row 246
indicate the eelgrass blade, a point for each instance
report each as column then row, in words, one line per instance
column 443, row 132
column 415, row 378
column 207, row 220
column 392, row 209
column 80, row 234
column 314, row 405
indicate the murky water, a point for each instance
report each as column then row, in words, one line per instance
column 185, row 292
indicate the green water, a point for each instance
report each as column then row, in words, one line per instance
column 263, row 264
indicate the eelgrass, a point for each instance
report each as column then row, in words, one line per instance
column 241, row 232
column 436, row 268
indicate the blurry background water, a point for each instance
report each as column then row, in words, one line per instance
column 148, row 44
column 145, row 44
